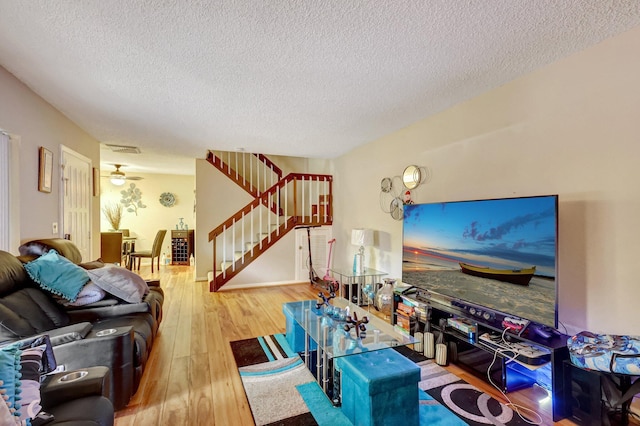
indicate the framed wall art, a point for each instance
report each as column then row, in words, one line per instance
column 45, row 173
column 96, row 182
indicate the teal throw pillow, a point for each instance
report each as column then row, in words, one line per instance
column 58, row 275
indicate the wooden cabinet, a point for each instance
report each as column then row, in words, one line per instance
column 182, row 246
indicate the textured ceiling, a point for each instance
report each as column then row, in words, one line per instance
column 302, row 78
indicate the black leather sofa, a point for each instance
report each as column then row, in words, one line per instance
column 108, row 307
column 108, row 333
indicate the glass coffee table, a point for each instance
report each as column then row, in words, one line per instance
column 326, row 327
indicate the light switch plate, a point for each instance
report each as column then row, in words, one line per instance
column 54, row 228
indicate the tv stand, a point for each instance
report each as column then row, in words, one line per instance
column 539, row 358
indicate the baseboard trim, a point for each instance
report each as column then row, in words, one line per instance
column 228, row 286
column 256, row 285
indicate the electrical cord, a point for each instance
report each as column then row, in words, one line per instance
column 519, row 409
column 563, row 326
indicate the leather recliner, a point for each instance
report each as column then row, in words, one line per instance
column 72, row 398
column 120, row 343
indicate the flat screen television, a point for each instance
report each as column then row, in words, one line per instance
column 497, row 253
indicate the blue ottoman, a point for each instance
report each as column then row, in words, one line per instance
column 295, row 333
column 379, row 388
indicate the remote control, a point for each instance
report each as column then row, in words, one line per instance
column 544, row 332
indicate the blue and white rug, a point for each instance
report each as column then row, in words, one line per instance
column 282, row 391
column 279, row 387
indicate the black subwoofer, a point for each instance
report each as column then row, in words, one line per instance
column 593, row 398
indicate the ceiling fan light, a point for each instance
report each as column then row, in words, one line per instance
column 117, row 177
column 117, row 180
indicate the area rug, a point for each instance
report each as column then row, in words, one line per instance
column 281, row 391
column 470, row 404
column 271, row 390
column 261, row 349
column 279, row 387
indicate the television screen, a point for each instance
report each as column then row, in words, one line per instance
column 498, row 253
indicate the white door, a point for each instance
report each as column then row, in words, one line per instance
column 319, row 238
column 76, row 188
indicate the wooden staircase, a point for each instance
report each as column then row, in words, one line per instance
column 252, row 172
column 294, row 200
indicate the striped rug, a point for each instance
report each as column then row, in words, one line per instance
column 261, row 349
column 280, row 389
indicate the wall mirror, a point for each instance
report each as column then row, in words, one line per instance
column 396, row 208
column 411, row 177
column 385, row 185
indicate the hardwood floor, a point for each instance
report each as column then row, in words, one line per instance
column 191, row 376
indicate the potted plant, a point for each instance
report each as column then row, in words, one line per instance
column 113, row 213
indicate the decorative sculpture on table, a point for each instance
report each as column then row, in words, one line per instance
column 325, row 300
column 384, row 296
column 181, row 226
column 359, row 325
column 329, row 311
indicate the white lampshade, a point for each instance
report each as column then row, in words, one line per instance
column 362, row 237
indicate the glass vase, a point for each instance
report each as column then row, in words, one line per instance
column 384, row 297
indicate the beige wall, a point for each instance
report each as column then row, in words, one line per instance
column 145, row 224
column 572, row 129
column 218, row 199
column 37, row 123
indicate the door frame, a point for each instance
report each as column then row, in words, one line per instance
column 301, row 246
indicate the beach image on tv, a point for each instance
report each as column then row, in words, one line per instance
column 495, row 253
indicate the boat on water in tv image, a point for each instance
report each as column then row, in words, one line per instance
column 499, row 254
column 513, row 276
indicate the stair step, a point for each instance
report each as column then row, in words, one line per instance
column 248, row 246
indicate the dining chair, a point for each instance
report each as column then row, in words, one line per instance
column 153, row 253
column 110, row 246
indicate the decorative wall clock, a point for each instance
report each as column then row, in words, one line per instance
column 167, row 199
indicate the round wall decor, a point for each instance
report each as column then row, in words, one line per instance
column 167, row 199
column 397, row 211
column 385, row 185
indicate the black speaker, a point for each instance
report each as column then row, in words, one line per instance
column 595, row 397
column 582, row 396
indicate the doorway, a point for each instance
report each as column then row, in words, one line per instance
column 320, row 237
column 76, row 191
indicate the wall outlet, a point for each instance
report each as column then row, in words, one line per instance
column 54, row 228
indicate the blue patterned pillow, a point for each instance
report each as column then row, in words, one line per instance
column 58, row 275
column 10, row 376
column 30, row 369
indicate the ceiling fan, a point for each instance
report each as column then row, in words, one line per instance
column 118, row 177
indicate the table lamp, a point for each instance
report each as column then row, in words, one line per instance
column 360, row 237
